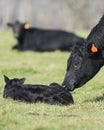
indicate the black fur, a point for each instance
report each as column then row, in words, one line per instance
column 96, row 35
column 41, row 39
column 52, row 94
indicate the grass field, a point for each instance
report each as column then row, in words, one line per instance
column 86, row 114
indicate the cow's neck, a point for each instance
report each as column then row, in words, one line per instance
column 21, row 35
column 103, row 54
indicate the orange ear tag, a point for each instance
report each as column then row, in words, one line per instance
column 27, row 26
column 94, row 49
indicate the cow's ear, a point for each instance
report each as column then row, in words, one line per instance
column 9, row 24
column 21, row 81
column 92, row 48
column 26, row 26
column 6, row 79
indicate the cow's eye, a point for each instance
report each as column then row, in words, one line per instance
column 77, row 64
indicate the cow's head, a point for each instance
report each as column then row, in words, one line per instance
column 85, row 61
column 18, row 27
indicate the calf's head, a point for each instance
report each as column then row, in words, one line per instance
column 85, row 61
column 13, row 82
column 18, row 27
column 10, row 85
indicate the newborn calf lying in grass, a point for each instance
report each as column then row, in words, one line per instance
column 52, row 94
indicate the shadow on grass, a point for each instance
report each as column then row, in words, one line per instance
column 45, row 114
column 97, row 99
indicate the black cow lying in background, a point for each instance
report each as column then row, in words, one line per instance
column 86, row 59
column 52, row 94
column 42, row 40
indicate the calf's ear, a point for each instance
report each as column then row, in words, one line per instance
column 6, row 79
column 21, row 81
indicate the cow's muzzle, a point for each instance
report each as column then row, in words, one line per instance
column 70, row 87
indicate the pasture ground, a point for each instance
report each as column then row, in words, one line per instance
column 43, row 68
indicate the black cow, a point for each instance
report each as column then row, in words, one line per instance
column 52, row 94
column 86, row 58
column 42, row 40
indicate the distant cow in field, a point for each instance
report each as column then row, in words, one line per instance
column 52, row 94
column 86, row 58
column 36, row 39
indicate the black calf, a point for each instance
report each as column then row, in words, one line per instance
column 52, row 94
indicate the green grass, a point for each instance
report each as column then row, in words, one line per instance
column 86, row 114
